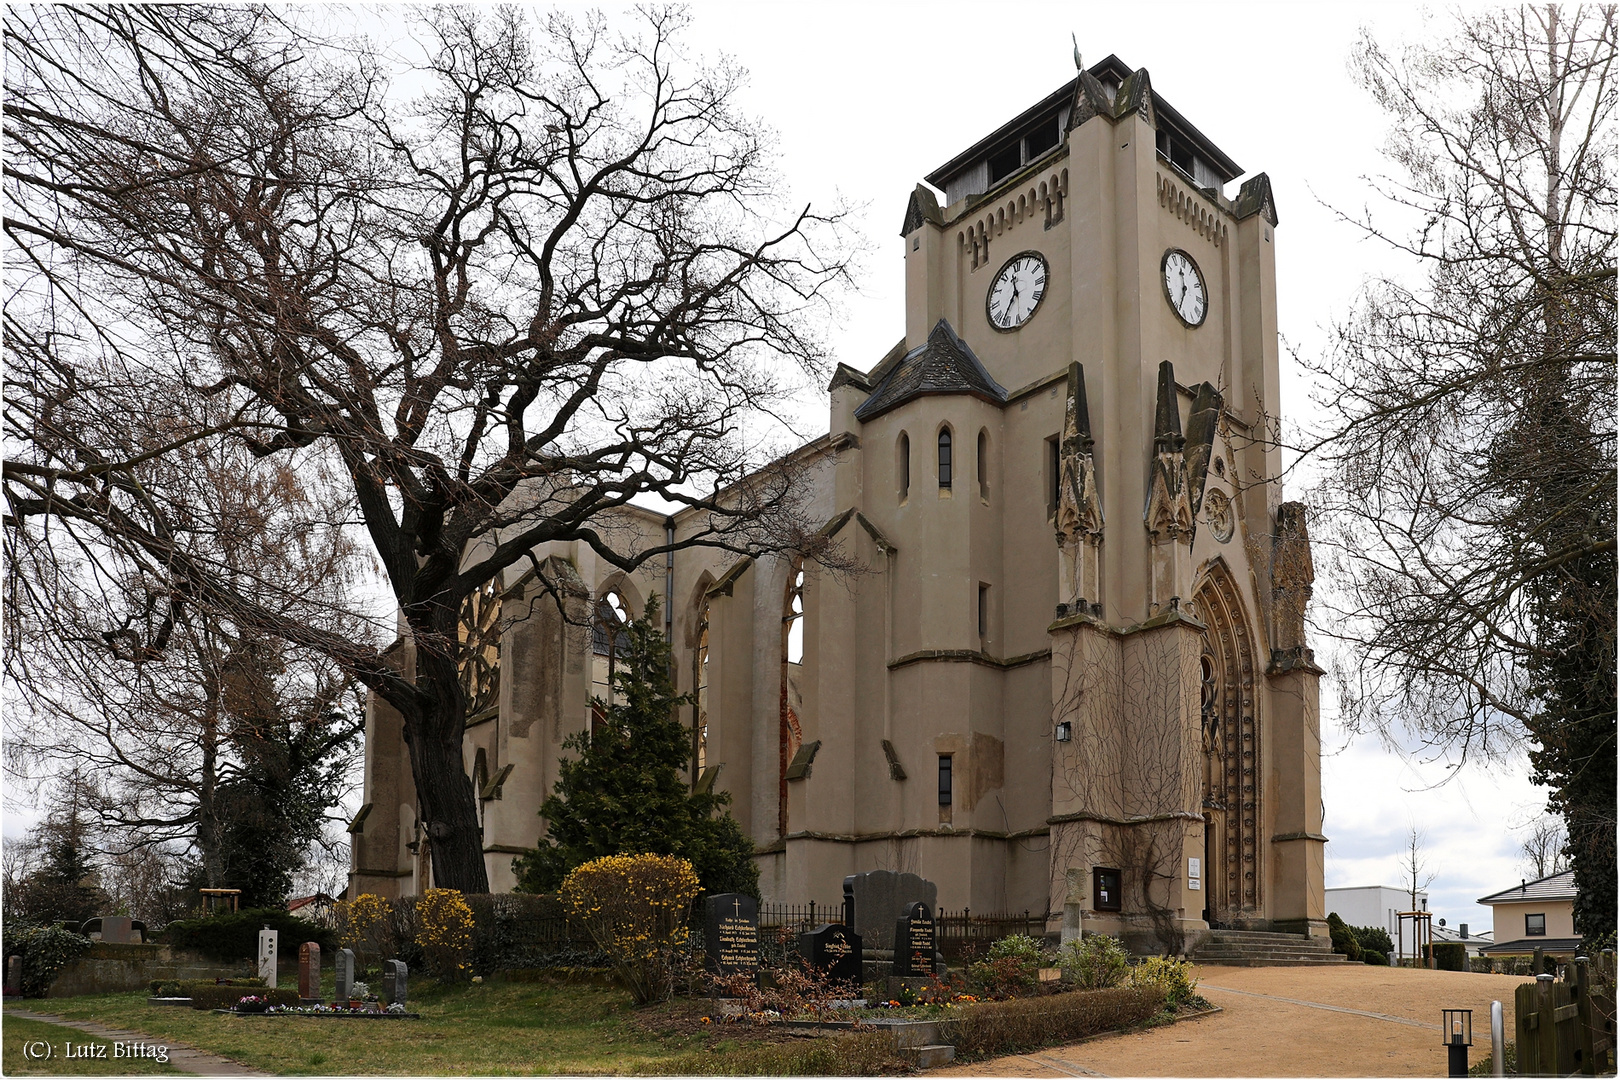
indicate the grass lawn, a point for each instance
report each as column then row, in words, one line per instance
column 491, row 1028
column 20, row 1033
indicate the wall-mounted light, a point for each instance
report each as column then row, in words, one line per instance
column 1063, row 731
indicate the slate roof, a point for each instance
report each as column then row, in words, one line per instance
column 1556, row 887
column 941, row 365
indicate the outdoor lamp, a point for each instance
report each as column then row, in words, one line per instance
column 1063, row 731
column 1457, row 1032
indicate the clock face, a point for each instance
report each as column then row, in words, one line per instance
column 1184, row 287
column 1016, row 291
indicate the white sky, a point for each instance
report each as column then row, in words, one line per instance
column 867, row 97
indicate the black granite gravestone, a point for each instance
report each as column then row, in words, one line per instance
column 915, row 939
column 731, row 934
column 833, row 950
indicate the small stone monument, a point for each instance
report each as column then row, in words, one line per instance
column 394, row 982
column 915, row 942
column 309, row 973
column 834, row 950
column 269, row 941
column 13, row 976
column 344, row 965
column 731, row 934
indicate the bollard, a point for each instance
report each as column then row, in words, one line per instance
column 1497, row 1040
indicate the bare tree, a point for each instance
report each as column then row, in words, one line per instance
column 555, row 281
column 1439, row 391
column 1415, row 865
column 1544, row 846
column 1468, row 516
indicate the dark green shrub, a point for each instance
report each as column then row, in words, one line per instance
column 45, row 951
column 1374, row 957
column 1011, row 967
column 210, row 996
column 184, row 987
column 1344, row 940
column 1004, row 1027
column 527, row 930
column 235, row 935
column 1450, row 956
column 1374, row 937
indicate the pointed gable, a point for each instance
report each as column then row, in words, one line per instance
column 941, row 365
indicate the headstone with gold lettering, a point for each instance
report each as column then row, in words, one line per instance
column 914, row 941
column 834, row 950
column 731, row 934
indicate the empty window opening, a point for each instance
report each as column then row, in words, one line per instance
column 609, row 639
column 700, row 696
column 944, row 779
column 944, row 457
column 984, row 610
column 902, row 464
column 1005, row 162
column 983, row 464
column 795, row 619
column 1042, row 139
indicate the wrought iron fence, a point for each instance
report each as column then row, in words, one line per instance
column 965, row 932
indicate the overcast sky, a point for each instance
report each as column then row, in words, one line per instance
column 865, row 98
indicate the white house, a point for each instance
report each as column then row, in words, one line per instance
column 1378, row 905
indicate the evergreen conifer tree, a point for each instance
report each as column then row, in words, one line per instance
column 625, row 792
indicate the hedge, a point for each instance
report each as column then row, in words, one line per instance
column 1006, row 1027
column 184, row 987
column 235, row 935
column 45, row 951
column 1450, row 956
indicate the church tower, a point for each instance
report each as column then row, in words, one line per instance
column 1103, row 318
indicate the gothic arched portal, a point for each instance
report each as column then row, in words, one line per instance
column 1231, row 752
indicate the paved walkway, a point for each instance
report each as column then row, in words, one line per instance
column 185, row 1058
column 1350, row 1020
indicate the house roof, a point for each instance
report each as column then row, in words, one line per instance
column 944, row 364
column 1530, row 945
column 1553, row 887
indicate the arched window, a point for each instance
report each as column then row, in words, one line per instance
column 794, row 617
column 983, row 464
column 700, row 703
column 902, row 464
column 945, row 458
column 479, row 665
column 608, row 639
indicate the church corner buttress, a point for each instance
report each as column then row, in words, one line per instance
column 1071, row 674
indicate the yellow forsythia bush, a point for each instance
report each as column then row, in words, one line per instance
column 367, row 926
column 635, row 909
column 444, row 933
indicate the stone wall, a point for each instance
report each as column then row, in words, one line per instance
column 111, row 969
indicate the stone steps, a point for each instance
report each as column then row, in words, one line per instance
column 1260, row 948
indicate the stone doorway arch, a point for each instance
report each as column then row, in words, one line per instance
column 1232, row 754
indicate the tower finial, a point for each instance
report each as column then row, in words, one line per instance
column 1078, row 65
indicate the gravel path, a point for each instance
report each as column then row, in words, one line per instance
column 1352, row 1020
column 184, row 1058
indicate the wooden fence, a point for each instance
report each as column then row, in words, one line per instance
column 1567, row 1028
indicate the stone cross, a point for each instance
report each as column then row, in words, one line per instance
column 394, row 981
column 268, row 941
column 344, row 963
column 13, row 976
column 309, row 971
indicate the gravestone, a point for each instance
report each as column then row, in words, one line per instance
column 269, row 941
column 873, row 900
column 344, row 973
column 731, row 934
column 394, row 982
column 118, row 930
column 13, row 976
column 834, row 950
column 309, row 972
column 915, row 942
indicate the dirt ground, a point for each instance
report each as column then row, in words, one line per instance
column 1352, row 1020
